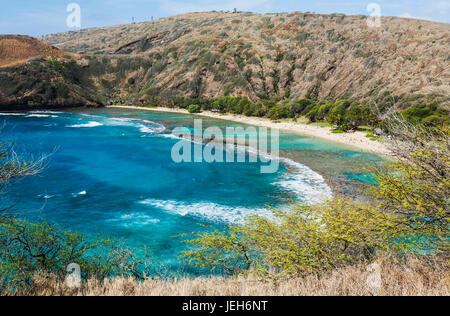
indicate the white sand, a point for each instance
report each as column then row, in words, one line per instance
column 357, row 139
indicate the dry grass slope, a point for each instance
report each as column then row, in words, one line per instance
column 17, row 49
column 413, row 279
column 304, row 55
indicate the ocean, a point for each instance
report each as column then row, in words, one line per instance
column 109, row 172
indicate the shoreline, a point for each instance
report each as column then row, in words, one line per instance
column 356, row 140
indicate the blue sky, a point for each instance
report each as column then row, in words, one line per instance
column 40, row 17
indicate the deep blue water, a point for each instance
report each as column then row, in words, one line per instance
column 110, row 172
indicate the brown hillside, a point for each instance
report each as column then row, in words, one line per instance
column 17, row 49
column 296, row 55
column 29, row 79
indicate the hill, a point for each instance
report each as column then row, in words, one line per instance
column 292, row 56
column 34, row 75
column 254, row 64
column 18, row 49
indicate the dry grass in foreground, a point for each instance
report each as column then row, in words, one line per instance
column 414, row 279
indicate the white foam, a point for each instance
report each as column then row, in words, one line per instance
column 144, row 126
column 135, row 219
column 307, row 184
column 79, row 193
column 12, row 114
column 90, row 115
column 38, row 115
column 146, row 129
column 208, row 210
column 172, row 136
column 45, row 112
column 153, row 128
column 46, row 196
column 41, row 115
column 87, row 125
column 119, row 122
column 178, row 137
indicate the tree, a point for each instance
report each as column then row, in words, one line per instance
column 420, row 187
column 12, row 167
column 27, row 248
column 357, row 115
column 337, row 112
column 305, row 239
column 194, row 108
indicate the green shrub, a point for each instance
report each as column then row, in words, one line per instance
column 280, row 112
column 279, row 57
column 297, row 242
column 337, row 112
column 323, row 110
column 228, row 90
column 28, row 248
column 299, row 107
column 427, row 113
column 357, row 115
column 313, row 114
column 194, row 108
column 437, row 120
column 419, row 111
column 287, row 94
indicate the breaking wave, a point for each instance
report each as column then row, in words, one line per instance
column 207, row 210
column 134, row 219
column 41, row 115
column 87, row 125
column 144, row 126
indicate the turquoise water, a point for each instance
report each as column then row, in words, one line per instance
column 110, row 172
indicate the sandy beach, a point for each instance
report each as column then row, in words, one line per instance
column 356, row 139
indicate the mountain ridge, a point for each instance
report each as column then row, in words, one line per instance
column 300, row 54
column 268, row 59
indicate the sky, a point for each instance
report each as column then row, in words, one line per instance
column 40, row 17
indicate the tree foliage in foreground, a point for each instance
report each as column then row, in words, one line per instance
column 29, row 248
column 406, row 212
